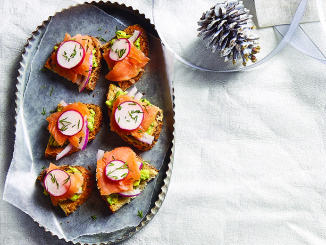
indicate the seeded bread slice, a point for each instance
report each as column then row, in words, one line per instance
column 53, row 151
column 69, row 206
column 95, row 70
column 144, row 47
column 142, row 185
column 158, row 123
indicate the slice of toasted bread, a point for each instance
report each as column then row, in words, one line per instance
column 144, row 47
column 95, row 70
column 69, row 206
column 158, row 123
column 53, row 151
column 122, row 200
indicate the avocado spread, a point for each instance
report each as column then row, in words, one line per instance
column 110, row 102
column 122, row 34
column 112, row 198
column 74, row 170
column 94, row 58
column 91, row 120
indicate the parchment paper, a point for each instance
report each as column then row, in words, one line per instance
column 45, row 90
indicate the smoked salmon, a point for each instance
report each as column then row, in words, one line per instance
column 127, row 71
column 127, row 68
column 107, row 186
column 81, row 70
column 59, row 137
column 149, row 112
column 86, row 72
column 77, row 180
column 68, row 186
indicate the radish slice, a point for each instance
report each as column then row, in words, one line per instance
column 57, row 182
column 116, row 170
column 84, row 140
column 148, row 139
column 70, row 54
column 120, row 49
column 70, row 122
column 129, row 115
column 64, row 152
column 134, row 36
column 85, row 81
column 99, row 155
column 132, row 193
column 138, row 96
column 132, row 91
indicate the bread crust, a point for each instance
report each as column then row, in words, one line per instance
column 69, row 206
column 142, row 185
column 95, row 70
column 144, row 47
column 158, row 124
column 52, row 151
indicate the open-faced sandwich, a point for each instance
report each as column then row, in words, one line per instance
column 134, row 119
column 77, row 59
column 121, row 176
column 68, row 186
column 126, row 55
column 72, row 127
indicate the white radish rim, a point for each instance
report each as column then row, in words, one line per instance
column 57, row 182
column 116, row 170
column 129, row 115
column 70, row 122
column 70, row 54
column 120, row 49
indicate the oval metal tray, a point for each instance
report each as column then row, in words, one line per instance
column 127, row 15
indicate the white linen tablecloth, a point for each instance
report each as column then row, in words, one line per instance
column 250, row 153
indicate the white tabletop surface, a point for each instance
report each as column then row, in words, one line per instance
column 249, row 164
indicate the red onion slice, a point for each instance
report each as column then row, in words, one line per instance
column 57, row 182
column 134, row 36
column 132, row 91
column 148, row 139
column 99, row 155
column 64, row 152
column 84, row 140
column 63, row 103
column 140, row 165
column 85, row 81
column 132, row 193
column 138, row 96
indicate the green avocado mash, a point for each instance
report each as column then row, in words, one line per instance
column 112, row 198
column 91, row 120
column 74, row 170
column 144, row 175
column 122, row 34
column 110, row 102
column 94, row 58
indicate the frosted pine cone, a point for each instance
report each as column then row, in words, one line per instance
column 229, row 29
